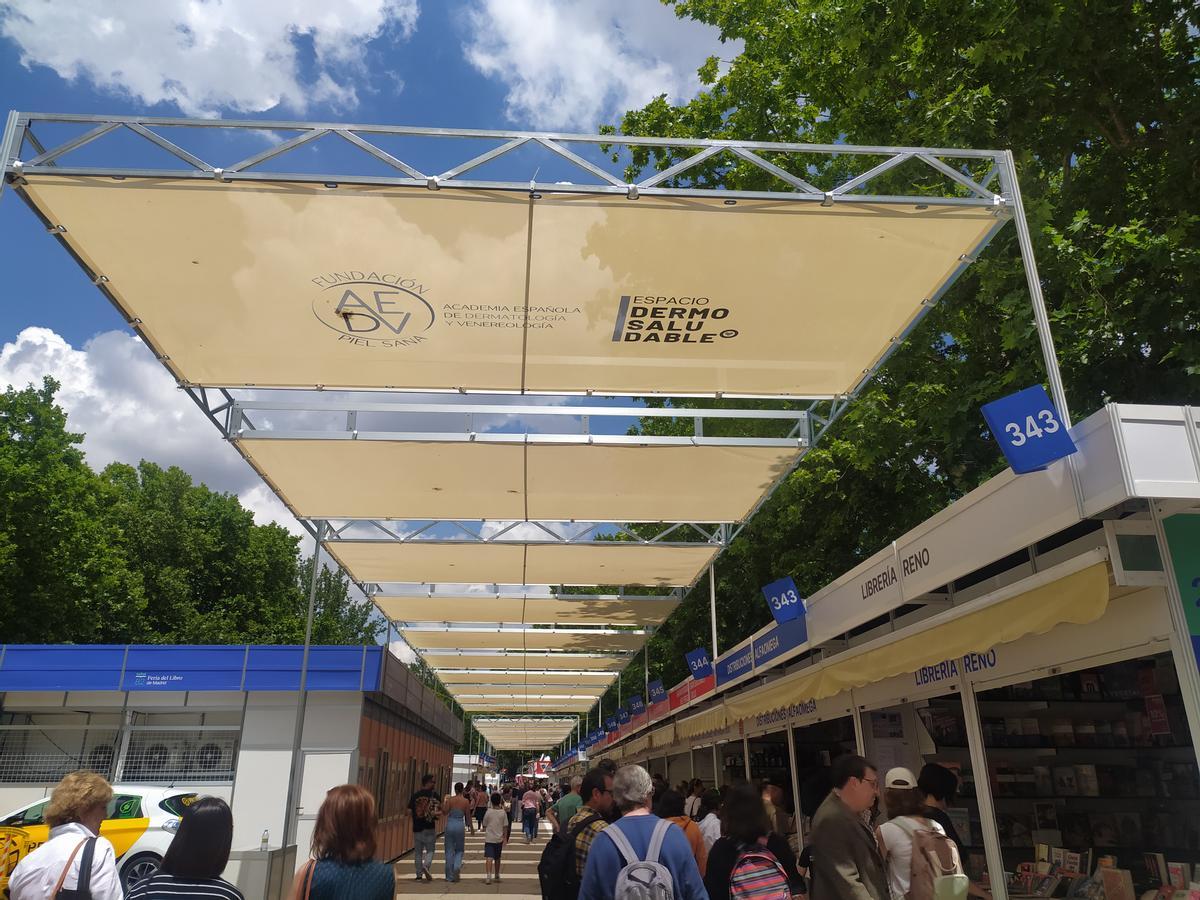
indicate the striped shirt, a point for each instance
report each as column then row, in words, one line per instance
column 162, row 886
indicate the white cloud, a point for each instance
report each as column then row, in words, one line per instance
column 207, row 56
column 129, row 408
column 403, row 652
column 577, row 63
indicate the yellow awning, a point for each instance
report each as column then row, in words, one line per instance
column 533, row 639
column 705, row 723
column 1078, row 598
column 662, row 737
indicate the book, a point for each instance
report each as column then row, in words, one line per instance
column 1073, row 862
column 1104, row 829
column 1177, row 875
column 1156, row 867
column 1045, row 814
column 1076, row 830
column 1129, row 829
column 1065, row 783
column 1089, row 685
column 1087, row 781
column 1118, row 884
column 1058, row 857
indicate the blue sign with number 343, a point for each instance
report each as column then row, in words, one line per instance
column 1028, row 429
column 784, row 600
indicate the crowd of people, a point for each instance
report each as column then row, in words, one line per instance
column 76, row 862
column 611, row 828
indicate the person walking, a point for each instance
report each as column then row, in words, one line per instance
column 192, row 866
column 596, row 812
column 530, row 801
column 691, row 806
column 747, row 829
column 564, row 810
column 343, row 866
column 456, row 808
column 482, row 801
column 74, row 857
column 494, row 825
column 846, row 860
column 639, row 835
column 670, row 807
column 425, row 810
column 710, row 819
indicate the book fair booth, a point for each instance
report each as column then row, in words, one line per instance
column 436, row 346
column 1030, row 649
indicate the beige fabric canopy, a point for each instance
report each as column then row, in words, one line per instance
column 531, row 611
column 584, row 681
column 297, row 285
column 603, row 641
column 604, row 562
column 522, row 733
column 515, row 659
column 539, row 690
column 322, row 479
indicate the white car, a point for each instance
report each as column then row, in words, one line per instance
column 142, row 820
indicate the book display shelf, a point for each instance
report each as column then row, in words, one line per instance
column 1089, row 769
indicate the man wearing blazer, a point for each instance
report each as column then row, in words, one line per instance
column 846, row 862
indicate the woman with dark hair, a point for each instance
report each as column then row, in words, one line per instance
column 670, row 807
column 197, row 856
column 456, row 809
column 746, row 827
column 710, row 820
column 343, row 866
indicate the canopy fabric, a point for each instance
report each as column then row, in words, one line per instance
column 1077, row 598
column 662, row 737
column 707, row 722
column 581, row 680
column 530, row 611
column 538, row 690
column 533, row 660
column 334, row 478
column 516, row 733
column 599, row 562
column 528, row 705
column 296, row 284
column 601, row 641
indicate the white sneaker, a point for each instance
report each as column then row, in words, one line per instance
column 487, row 879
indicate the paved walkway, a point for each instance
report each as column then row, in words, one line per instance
column 518, row 870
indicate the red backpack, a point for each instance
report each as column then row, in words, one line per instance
column 757, row 875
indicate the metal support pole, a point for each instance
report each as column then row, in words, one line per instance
column 860, row 738
column 291, row 820
column 692, row 763
column 797, row 817
column 646, row 680
column 983, row 793
column 746, row 756
column 716, row 766
column 1040, row 317
column 712, row 610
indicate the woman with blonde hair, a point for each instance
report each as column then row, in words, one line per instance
column 74, row 862
column 343, row 866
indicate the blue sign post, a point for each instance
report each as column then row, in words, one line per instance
column 658, row 693
column 610, row 724
column 636, row 706
column 623, row 716
column 1028, row 429
column 698, row 663
column 784, row 600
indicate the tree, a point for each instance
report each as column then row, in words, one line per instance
column 63, row 571
column 141, row 554
column 1099, row 103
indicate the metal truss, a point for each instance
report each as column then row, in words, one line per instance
column 232, row 418
column 495, row 593
column 486, row 531
column 959, row 187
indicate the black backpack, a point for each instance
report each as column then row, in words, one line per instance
column 556, row 868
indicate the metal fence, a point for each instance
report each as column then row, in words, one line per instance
column 145, row 754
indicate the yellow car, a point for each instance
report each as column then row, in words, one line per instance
column 141, row 821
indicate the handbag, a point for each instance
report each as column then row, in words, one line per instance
column 306, row 881
column 83, row 887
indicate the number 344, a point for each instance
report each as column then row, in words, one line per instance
column 1018, row 436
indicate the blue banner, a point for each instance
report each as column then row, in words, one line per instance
column 623, row 716
column 698, row 663
column 658, row 693
column 735, row 664
column 610, row 724
column 784, row 600
column 780, row 639
column 1027, row 428
column 636, row 706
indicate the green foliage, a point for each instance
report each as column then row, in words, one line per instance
column 140, row 554
column 1100, row 104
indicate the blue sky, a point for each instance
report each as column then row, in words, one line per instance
column 531, row 64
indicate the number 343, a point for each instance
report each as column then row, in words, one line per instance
column 787, row 598
column 1018, row 436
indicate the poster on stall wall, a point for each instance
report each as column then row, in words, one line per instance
column 1183, row 539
